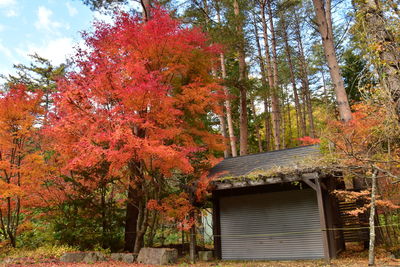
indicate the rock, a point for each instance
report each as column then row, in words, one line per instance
column 124, row 257
column 206, row 255
column 73, row 257
column 87, row 257
column 92, row 257
column 159, row 256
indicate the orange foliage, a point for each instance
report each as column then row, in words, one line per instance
column 153, row 77
column 356, row 139
column 22, row 166
column 175, row 208
column 361, row 148
column 307, row 140
column 136, row 105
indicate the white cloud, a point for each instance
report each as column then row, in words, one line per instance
column 45, row 21
column 72, row 11
column 9, row 8
column 11, row 13
column 57, row 50
column 5, row 51
column 7, row 3
column 2, row 27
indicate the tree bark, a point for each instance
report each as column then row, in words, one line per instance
column 307, row 105
column 289, row 121
column 256, row 126
column 324, row 21
column 242, row 80
column 371, row 252
column 264, row 86
column 301, row 125
column 141, row 225
column 275, row 110
column 379, row 34
column 223, row 132
column 232, row 137
column 276, row 89
column 132, row 213
column 192, row 244
column 153, row 227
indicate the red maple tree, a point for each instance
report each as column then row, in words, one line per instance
column 137, row 103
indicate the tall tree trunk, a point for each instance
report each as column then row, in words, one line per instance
column 324, row 21
column 276, row 88
column 242, row 80
column 274, row 97
column 371, row 252
column 263, row 83
column 268, row 126
column 256, row 126
column 289, row 120
column 192, row 244
column 104, row 216
column 232, row 137
column 305, row 82
column 153, row 227
column 326, row 98
column 132, row 213
column 379, row 34
column 309, row 109
column 301, row 125
column 231, row 132
column 223, row 132
column 141, row 225
column 227, row 103
column 283, row 128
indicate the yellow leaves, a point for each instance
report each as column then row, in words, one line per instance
column 10, row 190
column 5, row 165
column 25, row 226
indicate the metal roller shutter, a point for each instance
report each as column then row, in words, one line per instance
column 272, row 226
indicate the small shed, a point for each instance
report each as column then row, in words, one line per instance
column 275, row 206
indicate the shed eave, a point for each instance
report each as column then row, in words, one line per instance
column 245, row 181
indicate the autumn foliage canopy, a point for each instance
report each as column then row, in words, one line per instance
column 22, row 166
column 135, row 108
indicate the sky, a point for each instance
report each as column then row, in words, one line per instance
column 50, row 28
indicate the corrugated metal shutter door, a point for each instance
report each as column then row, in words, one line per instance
column 252, row 226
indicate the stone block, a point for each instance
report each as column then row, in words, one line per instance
column 87, row 257
column 158, row 256
column 206, row 255
column 73, row 257
column 92, row 257
column 124, row 257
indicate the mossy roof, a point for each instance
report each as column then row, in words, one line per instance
column 268, row 164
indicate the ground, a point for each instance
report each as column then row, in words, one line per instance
column 354, row 257
column 339, row 262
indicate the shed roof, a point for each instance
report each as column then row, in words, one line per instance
column 245, row 165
